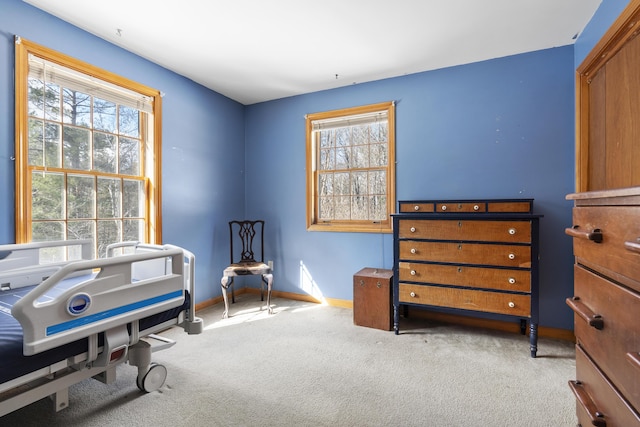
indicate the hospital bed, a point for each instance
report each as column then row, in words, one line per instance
column 66, row 317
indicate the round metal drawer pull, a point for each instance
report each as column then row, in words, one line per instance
column 512, row 256
column 413, row 250
column 512, row 304
column 476, row 207
column 444, row 208
column 413, row 272
column 412, row 229
column 416, row 208
column 512, row 231
column 413, row 294
column 512, row 280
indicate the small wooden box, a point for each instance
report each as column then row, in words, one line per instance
column 372, row 298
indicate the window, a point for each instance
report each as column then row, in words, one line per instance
column 351, row 169
column 87, row 152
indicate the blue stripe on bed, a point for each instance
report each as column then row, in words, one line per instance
column 71, row 324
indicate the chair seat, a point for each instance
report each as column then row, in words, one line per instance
column 245, row 268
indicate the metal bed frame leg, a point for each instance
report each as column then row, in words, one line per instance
column 60, row 399
column 151, row 376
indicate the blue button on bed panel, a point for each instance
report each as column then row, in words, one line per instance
column 93, row 318
column 78, row 304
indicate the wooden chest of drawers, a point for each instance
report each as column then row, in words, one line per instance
column 606, row 228
column 606, row 303
column 475, row 255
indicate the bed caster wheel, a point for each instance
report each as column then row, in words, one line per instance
column 153, row 379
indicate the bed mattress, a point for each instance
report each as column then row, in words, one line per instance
column 13, row 364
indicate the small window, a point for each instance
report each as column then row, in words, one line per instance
column 351, row 169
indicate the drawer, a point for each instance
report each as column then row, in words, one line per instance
column 466, row 299
column 510, row 207
column 471, row 230
column 453, row 207
column 617, row 254
column 614, row 339
column 458, row 275
column 417, row 207
column 466, row 253
column 595, row 394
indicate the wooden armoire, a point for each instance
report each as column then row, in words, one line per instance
column 606, row 228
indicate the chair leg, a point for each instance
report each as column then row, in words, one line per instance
column 269, row 280
column 226, row 282
column 233, row 293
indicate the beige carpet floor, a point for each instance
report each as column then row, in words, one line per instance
column 309, row 365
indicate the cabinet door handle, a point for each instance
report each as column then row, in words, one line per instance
column 633, row 246
column 594, row 320
column 595, row 235
column 634, row 359
column 597, row 418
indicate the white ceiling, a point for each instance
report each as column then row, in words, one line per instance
column 259, row 50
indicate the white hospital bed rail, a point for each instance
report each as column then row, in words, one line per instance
column 109, row 302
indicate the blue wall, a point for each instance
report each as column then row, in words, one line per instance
column 203, row 139
column 498, row 128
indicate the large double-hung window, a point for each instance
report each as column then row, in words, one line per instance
column 87, row 152
column 351, row 169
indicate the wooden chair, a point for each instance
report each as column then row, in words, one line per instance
column 245, row 260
